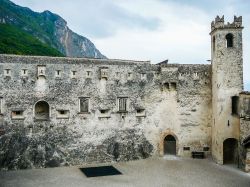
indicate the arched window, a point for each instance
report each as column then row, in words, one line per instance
column 42, row 110
column 229, row 38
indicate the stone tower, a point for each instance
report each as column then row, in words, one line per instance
column 227, row 83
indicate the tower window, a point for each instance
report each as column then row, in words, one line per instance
column 229, row 38
column 235, row 103
column 1, row 105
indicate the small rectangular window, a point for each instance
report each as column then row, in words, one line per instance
column 130, row 76
column 73, row 74
column 122, row 104
column 58, row 73
column 89, row 74
column 235, row 104
column 62, row 114
column 104, row 113
column 143, row 76
column 205, row 148
column 84, row 104
column 41, row 70
column 24, row 72
column 173, row 85
column 7, row 72
column 186, row 148
column 18, row 114
column 140, row 112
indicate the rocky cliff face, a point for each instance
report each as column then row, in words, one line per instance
column 48, row 28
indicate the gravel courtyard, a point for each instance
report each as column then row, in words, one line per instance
column 168, row 171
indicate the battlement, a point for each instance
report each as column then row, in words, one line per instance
column 218, row 23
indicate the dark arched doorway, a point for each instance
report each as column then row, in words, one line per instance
column 42, row 110
column 230, row 151
column 170, row 145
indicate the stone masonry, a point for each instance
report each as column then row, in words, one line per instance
column 69, row 111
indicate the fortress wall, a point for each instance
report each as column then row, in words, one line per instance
column 161, row 99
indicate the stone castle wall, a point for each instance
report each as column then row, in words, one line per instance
column 161, row 99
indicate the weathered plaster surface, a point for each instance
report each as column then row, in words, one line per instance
column 183, row 109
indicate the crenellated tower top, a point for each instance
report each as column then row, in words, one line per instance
column 219, row 23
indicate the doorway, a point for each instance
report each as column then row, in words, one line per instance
column 230, row 151
column 169, row 145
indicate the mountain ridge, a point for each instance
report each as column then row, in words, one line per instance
column 49, row 28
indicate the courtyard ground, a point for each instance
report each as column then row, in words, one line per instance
column 152, row 172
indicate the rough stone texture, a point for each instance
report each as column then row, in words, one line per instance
column 183, row 109
column 244, row 130
column 190, row 102
column 227, row 81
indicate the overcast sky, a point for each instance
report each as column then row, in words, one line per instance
column 154, row 30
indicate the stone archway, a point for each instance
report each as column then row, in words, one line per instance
column 168, row 135
column 169, row 145
column 230, row 151
column 42, row 110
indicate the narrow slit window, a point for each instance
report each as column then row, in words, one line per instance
column 213, row 43
column 24, row 72
column 122, row 104
column 84, row 104
column 58, row 73
column 1, row 105
column 89, row 74
column 73, row 74
column 7, row 72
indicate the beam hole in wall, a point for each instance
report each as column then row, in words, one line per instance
column 42, row 110
column 169, row 145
